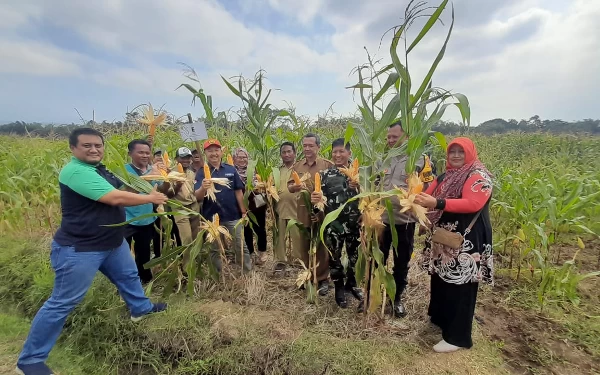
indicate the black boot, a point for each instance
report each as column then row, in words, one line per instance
column 340, row 294
column 323, row 287
column 356, row 292
column 399, row 310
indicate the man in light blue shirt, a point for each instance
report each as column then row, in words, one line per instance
column 142, row 232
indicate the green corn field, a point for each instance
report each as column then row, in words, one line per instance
column 543, row 316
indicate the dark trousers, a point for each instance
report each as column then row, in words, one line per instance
column 260, row 228
column 451, row 307
column 402, row 255
column 142, row 235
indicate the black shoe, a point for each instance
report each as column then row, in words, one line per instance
column 340, row 295
column 361, row 307
column 156, row 308
column 356, row 292
column 323, row 287
column 399, row 310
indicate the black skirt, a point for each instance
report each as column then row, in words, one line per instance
column 452, row 307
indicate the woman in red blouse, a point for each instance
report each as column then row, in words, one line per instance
column 458, row 198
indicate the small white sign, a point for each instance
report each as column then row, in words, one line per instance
column 193, row 132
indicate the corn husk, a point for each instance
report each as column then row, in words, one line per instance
column 303, row 276
column 267, row 187
column 407, row 199
column 352, row 172
column 212, row 190
column 371, row 211
column 214, row 230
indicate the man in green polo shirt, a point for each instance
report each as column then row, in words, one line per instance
column 90, row 199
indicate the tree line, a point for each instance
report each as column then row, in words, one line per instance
column 489, row 127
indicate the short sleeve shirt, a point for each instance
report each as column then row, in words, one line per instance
column 226, row 205
column 84, row 218
column 142, row 209
column 286, row 205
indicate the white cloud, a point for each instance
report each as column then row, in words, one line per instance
column 35, row 58
column 511, row 58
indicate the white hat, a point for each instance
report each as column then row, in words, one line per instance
column 183, row 152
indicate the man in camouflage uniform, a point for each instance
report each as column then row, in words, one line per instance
column 338, row 189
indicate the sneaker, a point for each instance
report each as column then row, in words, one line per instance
column 39, row 368
column 444, row 347
column 156, row 308
column 279, row 267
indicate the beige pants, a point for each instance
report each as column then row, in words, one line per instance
column 280, row 250
column 189, row 227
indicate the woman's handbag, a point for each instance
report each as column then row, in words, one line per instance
column 453, row 240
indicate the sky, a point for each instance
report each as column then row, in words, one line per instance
column 511, row 58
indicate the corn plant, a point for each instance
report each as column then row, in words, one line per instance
column 419, row 110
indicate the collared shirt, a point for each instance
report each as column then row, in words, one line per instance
column 142, row 209
column 302, row 167
column 84, row 218
column 226, row 205
column 395, row 175
column 286, row 206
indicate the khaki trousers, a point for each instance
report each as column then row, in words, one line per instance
column 188, row 227
column 280, row 250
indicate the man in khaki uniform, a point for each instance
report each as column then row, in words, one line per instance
column 312, row 164
column 188, row 226
column 286, row 207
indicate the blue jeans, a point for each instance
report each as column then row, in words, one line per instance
column 75, row 272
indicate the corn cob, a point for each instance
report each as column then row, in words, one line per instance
column 166, row 159
column 229, row 159
column 206, row 171
column 296, row 178
column 355, row 166
column 216, row 220
column 258, row 179
column 317, row 182
column 415, row 185
column 179, row 168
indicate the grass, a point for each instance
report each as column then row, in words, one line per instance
column 264, row 335
column 64, row 359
